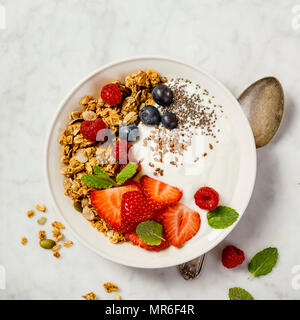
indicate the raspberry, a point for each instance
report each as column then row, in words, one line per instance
column 111, row 94
column 89, row 129
column 232, row 257
column 207, row 198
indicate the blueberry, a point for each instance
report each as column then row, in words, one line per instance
column 150, row 115
column 162, row 95
column 129, row 133
column 169, row 120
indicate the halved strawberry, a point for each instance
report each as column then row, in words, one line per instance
column 134, row 210
column 108, row 204
column 180, row 223
column 135, row 239
column 159, row 194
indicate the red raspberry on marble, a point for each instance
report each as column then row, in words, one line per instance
column 111, row 94
column 207, row 198
column 232, row 257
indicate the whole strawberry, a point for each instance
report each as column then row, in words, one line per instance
column 111, row 94
column 232, row 257
column 93, row 130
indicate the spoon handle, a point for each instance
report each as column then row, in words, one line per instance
column 191, row 269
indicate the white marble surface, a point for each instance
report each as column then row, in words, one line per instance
column 49, row 45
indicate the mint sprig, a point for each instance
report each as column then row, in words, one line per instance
column 98, row 182
column 237, row 293
column 222, row 217
column 263, row 262
column 127, row 173
column 150, row 232
column 101, row 180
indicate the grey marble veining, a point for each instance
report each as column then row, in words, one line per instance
column 49, row 45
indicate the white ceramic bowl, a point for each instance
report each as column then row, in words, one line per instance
column 126, row 253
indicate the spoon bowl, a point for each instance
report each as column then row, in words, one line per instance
column 263, row 104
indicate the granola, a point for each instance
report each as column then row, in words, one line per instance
column 30, row 213
column 41, row 207
column 68, row 244
column 79, row 155
column 90, row 296
column 110, row 287
column 42, row 234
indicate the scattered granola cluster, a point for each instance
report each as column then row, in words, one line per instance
column 43, row 241
column 108, row 287
column 80, row 155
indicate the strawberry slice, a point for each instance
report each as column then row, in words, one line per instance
column 136, row 240
column 134, row 210
column 108, row 204
column 159, row 194
column 180, row 223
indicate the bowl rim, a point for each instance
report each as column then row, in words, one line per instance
column 50, row 131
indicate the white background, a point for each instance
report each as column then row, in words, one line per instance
column 48, row 46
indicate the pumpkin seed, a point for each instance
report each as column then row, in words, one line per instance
column 47, row 243
column 77, row 206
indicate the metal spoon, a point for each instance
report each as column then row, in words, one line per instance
column 263, row 104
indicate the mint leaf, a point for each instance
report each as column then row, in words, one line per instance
column 127, row 173
column 98, row 182
column 150, row 232
column 263, row 262
column 100, row 171
column 239, row 294
column 222, row 217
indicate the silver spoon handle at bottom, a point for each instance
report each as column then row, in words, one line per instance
column 191, row 269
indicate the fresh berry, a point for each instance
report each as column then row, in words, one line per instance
column 129, row 133
column 207, row 198
column 93, row 130
column 134, row 210
column 121, row 151
column 232, row 257
column 150, row 115
column 169, row 120
column 131, row 181
column 159, row 216
column 135, row 239
column 159, row 194
column 180, row 224
column 111, row 94
column 162, row 95
column 108, row 204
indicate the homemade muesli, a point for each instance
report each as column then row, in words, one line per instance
column 145, row 123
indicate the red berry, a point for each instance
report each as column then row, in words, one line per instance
column 232, row 257
column 134, row 210
column 111, row 94
column 180, row 224
column 108, row 204
column 159, row 194
column 207, row 198
column 90, row 129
